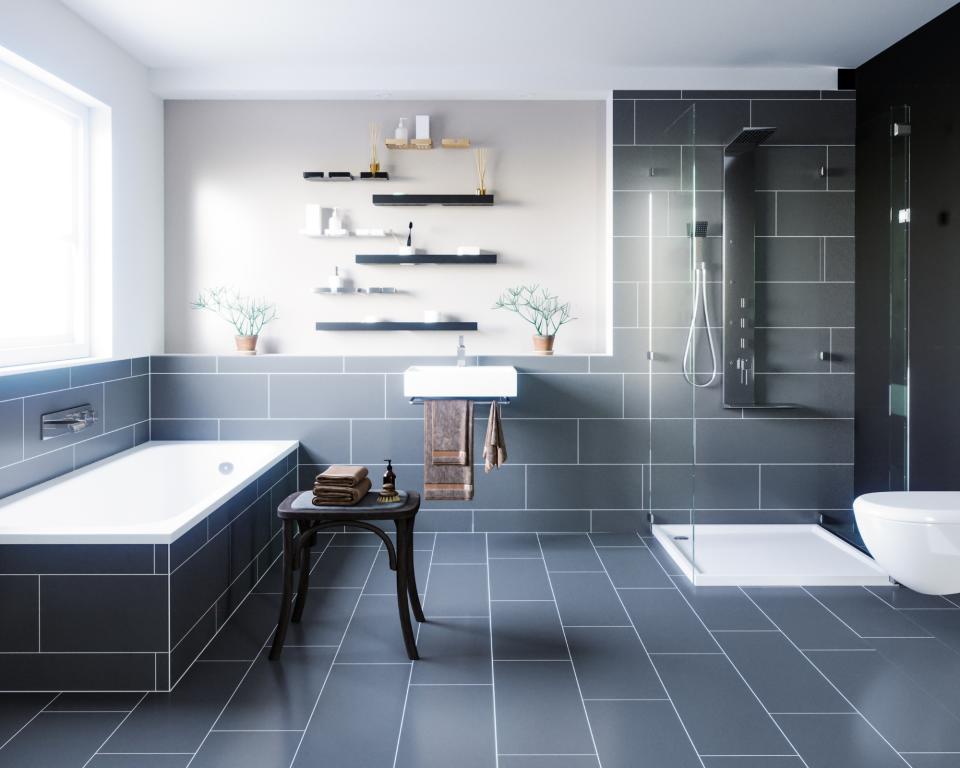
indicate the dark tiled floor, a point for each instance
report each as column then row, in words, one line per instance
column 557, row 651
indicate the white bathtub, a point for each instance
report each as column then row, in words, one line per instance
column 147, row 495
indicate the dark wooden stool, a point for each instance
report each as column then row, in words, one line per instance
column 296, row 555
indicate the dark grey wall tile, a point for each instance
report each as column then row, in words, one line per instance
column 672, row 397
column 35, row 407
column 532, row 520
column 530, row 441
column 126, row 402
column 583, row 487
column 671, row 441
column 184, row 429
column 324, row 441
column 817, row 395
column 205, row 396
column 622, row 122
column 538, row 363
column 709, row 209
column 752, row 95
column 183, row 364
column 841, row 350
column 196, row 584
column 788, row 259
column 782, row 305
column 630, row 258
column 636, row 396
column 33, row 383
column 806, row 487
column 672, row 122
column 76, row 558
column 101, row 447
column 765, row 210
column 708, row 163
column 81, row 375
column 646, row 168
column 396, row 363
column 17, row 477
column 792, row 350
column 815, row 213
column 839, row 254
column 756, row 441
column 614, row 441
column 790, row 167
column 708, row 486
column 631, row 212
column 626, row 305
column 646, row 94
column 326, row 396
column 807, row 122
column 841, row 167
column 672, row 308
column 20, row 606
column 399, row 439
column 614, row 520
column 568, row 395
column 139, row 366
column 279, row 364
column 11, row 432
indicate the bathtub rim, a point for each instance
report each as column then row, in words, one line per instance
column 283, row 449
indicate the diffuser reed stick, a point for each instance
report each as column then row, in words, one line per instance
column 480, row 160
column 374, row 143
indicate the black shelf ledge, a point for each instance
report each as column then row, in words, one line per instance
column 397, row 326
column 345, row 176
column 401, row 199
column 425, row 258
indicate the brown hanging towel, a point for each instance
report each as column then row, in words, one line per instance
column 494, row 444
column 448, row 450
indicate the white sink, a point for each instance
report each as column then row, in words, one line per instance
column 468, row 382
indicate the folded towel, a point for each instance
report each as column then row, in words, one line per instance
column 342, row 475
column 494, row 444
column 451, row 422
column 340, row 496
column 450, row 482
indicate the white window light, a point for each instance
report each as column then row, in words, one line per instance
column 45, row 222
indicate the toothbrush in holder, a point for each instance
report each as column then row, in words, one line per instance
column 408, row 249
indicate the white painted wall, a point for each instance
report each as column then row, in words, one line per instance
column 53, row 38
column 235, row 198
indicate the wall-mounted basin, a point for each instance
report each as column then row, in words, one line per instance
column 469, row 382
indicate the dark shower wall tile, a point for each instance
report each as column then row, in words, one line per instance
column 630, row 258
column 806, row 487
column 815, row 395
column 707, row 163
column 805, row 305
column 760, row 441
column 765, row 211
column 791, row 168
column 631, row 213
column 626, row 306
column 841, row 167
column 584, row 487
column 614, row 441
column 646, row 168
column 673, row 122
column 622, row 121
column 815, row 213
column 568, row 396
column 788, row 259
column 807, row 122
column 839, row 258
column 534, row 441
column 792, row 350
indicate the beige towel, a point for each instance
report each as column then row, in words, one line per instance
column 448, row 435
column 340, row 495
column 447, row 482
column 494, row 444
column 342, row 475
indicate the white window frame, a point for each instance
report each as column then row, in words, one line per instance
column 32, row 351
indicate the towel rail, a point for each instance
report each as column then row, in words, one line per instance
column 500, row 400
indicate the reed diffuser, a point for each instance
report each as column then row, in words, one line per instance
column 480, row 160
column 374, row 142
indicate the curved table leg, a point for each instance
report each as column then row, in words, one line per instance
column 288, row 562
column 303, row 587
column 403, row 556
column 412, row 576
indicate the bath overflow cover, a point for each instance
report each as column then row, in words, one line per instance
column 226, row 468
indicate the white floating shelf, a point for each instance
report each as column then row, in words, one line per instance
column 319, row 233
column 384, row 291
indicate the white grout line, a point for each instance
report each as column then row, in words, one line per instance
column 110, row 735
column 493, row 687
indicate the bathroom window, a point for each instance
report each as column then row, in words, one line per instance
column 44, row 222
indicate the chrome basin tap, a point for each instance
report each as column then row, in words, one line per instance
column 461, row 354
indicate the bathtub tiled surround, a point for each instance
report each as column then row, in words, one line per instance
column 120, row 617
column 119, row 390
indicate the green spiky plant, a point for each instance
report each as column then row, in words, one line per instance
column 247, row 315
column 537, row 306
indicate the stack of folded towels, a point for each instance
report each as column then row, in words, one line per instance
column 340, row 486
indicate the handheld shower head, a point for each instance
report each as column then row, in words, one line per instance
column 697, row 229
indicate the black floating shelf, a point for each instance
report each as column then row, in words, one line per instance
column 425, row 258
column 433, row 199
column 397, row 326
column 345, row 176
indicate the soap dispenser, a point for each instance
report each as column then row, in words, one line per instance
column 388, row 493
column 335, row 281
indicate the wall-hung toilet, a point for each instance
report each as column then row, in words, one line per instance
column 915, row 536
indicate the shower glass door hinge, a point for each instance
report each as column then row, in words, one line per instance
column 903, row 216
column 901, row 129
column 649, row 354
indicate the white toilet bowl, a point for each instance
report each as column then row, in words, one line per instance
column 914, row 536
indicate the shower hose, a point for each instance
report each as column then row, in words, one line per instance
column 699, row 295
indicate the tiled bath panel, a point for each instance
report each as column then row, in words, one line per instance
column 134, row 617
column 539, row 651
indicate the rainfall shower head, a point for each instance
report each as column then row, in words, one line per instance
column 697, row 229
column 748, row 139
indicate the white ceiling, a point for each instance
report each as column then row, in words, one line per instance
column 392, row 48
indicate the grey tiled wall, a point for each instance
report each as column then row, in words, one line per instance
column 119, row 390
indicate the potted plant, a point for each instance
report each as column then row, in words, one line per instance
column 247, row 315
column 541, row 309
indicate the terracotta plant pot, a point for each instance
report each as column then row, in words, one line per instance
column 246, row 345
column 543, row 345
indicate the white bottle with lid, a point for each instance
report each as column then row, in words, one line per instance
column 335, row 281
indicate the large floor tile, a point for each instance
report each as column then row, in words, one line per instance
column 722, row 608
column 569, row 552
column 865, row 613
column 460, row 548
column 140, row 761
column 513, row 545
column 247, row 750
column 519, row 579
column 374, row 634
column 943, row 625
column 779, row 674
column 908, row 717
column 446, row 725
column 325, row 617
column 527, row 631
column 178, row 721
column 587, row 600
column 805, row 621
column 383, row 581
column 344, row 566
column 539, row 710
column 16, row 709
column 928, row 662
column 95, row 701
column 782, row 761
column 279, row 694
column 629, row 567
column 930, row 760
column 357, row 720
column 59, row 739
column 453, row 651
column 611, row 664
column 666, row 623
column 626, row 730
column 666, row 562
column 903, row 598
column 457, row 591
column 623, row 539
column 548, row 761
column 721, row 714
column 244, row 634
column 830, row 741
